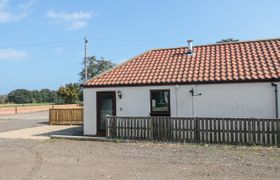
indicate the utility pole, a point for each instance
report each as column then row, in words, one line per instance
column 86, row 73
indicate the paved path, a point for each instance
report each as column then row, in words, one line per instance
column 33, row 126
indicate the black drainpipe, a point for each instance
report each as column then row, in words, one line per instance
column 276, row 97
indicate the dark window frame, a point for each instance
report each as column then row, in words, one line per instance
column 160, row 113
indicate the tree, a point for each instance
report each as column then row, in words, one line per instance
column 20, row 96
column 44, row 96
column 47, row 95
column 95, row 67
column 69, row 93
column 36, row 96
column 227, row 40
column 2, row 99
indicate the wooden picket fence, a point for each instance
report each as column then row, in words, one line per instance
column 66, row 116
column 243, row 131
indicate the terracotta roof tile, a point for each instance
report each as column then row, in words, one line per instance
column 239, row 61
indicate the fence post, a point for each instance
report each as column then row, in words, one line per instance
column 107, row 126
column 71, row 117
column 170, row 128
column 197, row 138
column 50, row 116
column 151, row 128
column 278, row 133
column 114, row 127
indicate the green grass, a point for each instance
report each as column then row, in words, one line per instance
column 24, row 105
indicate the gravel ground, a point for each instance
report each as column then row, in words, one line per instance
column 63, row 159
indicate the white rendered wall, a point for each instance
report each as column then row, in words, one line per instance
column 217, row 100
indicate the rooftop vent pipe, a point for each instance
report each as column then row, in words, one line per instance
column 190, row 47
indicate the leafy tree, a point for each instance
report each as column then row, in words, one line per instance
column 36, row 97
column 47, row 95
column 81, row 97
column 95, row 67
column 20, row 96
column 2, row 99
column 69, row 93
column 227, row 40
column 44, row 96
column 59, row 100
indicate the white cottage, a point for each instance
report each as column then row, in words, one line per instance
column 237, row 79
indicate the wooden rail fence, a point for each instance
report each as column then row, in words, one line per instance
column 67, row 116
column 244, row 131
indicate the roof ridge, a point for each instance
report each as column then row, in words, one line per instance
column 117, row 66
column 151, row 67
column 217, row 44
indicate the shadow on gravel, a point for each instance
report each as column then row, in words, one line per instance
column 72, row 131
column 44, row 123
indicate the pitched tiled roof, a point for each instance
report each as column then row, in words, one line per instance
column 229, row 62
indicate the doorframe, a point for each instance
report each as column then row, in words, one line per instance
column 98, row 105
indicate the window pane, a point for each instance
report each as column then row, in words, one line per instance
column 160, row 100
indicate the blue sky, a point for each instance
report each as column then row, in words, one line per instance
column 41, row 41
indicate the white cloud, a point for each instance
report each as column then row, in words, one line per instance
column 27, row 4
column 6, row 17
column 75, row 16
column 3, row 4
column 12, row 54
column 11, row 13
column 72, row 21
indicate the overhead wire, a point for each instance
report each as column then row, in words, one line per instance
column 76, row 40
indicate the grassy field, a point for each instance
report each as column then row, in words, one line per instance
column 6, row 109
column 24, row 105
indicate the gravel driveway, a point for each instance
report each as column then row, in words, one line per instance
column 30, row 158
column 64, row 159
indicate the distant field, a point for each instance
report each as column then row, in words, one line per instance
column 24, row 105
column 26, row 108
